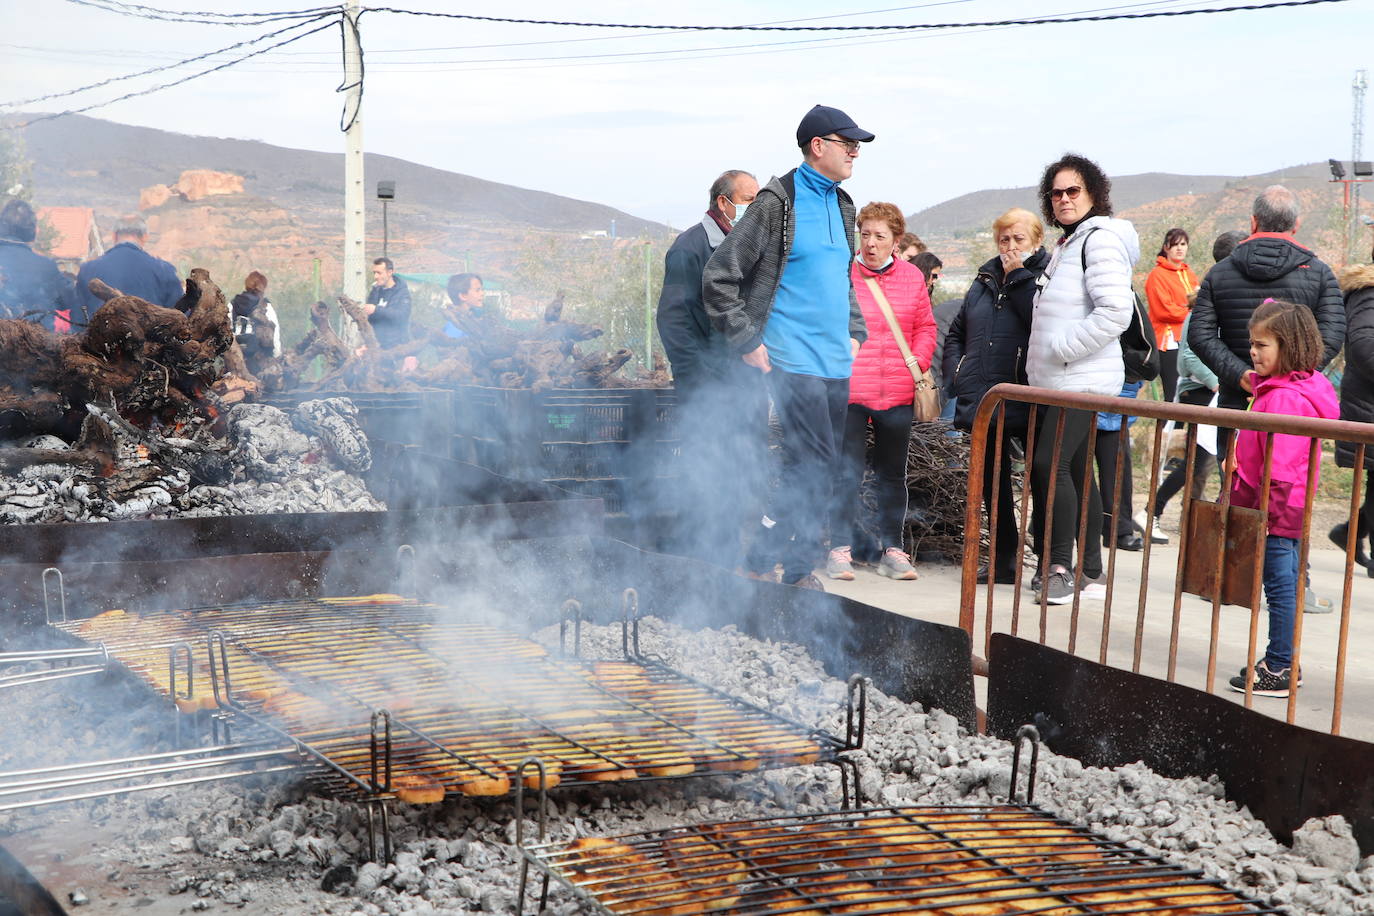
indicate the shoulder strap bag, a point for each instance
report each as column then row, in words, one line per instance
column 927, row 402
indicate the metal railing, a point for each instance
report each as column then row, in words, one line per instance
column 1209, row 540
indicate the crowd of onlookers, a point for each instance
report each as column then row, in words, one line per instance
column 789, row 306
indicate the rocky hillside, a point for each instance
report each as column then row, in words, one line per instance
column 288, row 212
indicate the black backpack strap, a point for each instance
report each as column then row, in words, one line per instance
column 1084, row 250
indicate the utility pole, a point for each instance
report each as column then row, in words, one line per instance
column 355, row 254
column 1357, row 88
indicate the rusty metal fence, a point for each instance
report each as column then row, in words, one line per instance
column 1220, row 556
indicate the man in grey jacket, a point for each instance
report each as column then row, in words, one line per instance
column 778, row 289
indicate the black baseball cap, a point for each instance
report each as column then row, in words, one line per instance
column 823, row 120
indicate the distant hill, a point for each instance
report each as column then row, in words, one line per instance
column 288, row 218
column 80, row 160
column 976, row 211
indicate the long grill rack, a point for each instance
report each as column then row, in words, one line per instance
column 993, row 860
column 388, row 697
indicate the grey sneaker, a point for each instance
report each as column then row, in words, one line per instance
column 1059, row 586
column 1312, row 604
column 840, row 564
column 1316, row 604
column 896, row 565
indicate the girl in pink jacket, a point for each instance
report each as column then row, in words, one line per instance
column 1285, row 349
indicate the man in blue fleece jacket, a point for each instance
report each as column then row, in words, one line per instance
column 778, row 289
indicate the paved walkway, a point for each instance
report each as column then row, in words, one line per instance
column 935, row 597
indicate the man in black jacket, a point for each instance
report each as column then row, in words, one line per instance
column 721, row 406
column 1269, row 264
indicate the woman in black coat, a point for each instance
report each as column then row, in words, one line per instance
column 1357, row 392
column 986, row 345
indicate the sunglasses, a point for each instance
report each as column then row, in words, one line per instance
column 1071, row 193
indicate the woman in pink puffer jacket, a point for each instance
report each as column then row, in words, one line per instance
column 881, row 392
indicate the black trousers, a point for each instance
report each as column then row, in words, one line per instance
column 1074, row 483
column 811, row 412
column 1168, row 372
column 1203, row 461
column 1109, row 443
column 891, row 441
column 1007, row 535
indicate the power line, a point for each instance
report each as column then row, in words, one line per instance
column 846, row 28
column 151, row 70
column 185, row 79
column 202, row 17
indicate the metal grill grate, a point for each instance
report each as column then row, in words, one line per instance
column 937, row 861
column 393, row 697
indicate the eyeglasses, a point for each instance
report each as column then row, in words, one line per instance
column 1071, row 193
column 850, row 146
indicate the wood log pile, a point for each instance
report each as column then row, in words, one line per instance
column 149, row 367
column 937, row 491
column 490, row 352
column 140, row 415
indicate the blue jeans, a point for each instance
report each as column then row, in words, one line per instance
column 1281, row 591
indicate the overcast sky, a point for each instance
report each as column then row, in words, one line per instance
column 644, row 120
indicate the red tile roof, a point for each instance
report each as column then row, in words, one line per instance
column 73, row 226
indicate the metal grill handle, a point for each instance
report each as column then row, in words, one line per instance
column 629, row 623
column 570, row 610
column 61, row 594
column 1031, row 733
column 541, row 820
column 384, row 785
column 856, row 721
column 407, row 573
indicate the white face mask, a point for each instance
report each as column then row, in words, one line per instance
column 1026, row 255
column 739, row 213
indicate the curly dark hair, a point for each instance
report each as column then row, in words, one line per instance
column 1095, row 182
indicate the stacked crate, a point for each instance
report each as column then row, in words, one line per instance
column 617, row 444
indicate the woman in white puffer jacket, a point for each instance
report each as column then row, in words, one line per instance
column 1075, row 346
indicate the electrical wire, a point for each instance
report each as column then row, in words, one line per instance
column 847, row 28
column 347, row 25
column 178, row 82
column 151, row 70
column 202, row 17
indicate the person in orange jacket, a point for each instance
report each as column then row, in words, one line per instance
column 1168, row 288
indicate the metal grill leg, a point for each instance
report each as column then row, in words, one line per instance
column 849, row 774
column 1031, row 733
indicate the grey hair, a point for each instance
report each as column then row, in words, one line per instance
column 1276, row 210
column 725, row 184
column 132, row 224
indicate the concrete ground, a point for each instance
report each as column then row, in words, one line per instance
column 935, row 597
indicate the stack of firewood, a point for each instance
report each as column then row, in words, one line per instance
column 489, row 352
column 138, row 373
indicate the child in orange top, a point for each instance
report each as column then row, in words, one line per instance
column 1285, row 349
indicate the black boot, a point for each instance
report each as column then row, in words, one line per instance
column 1338, row 536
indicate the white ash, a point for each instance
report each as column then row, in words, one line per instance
column 306, row 461
column 270, row 847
